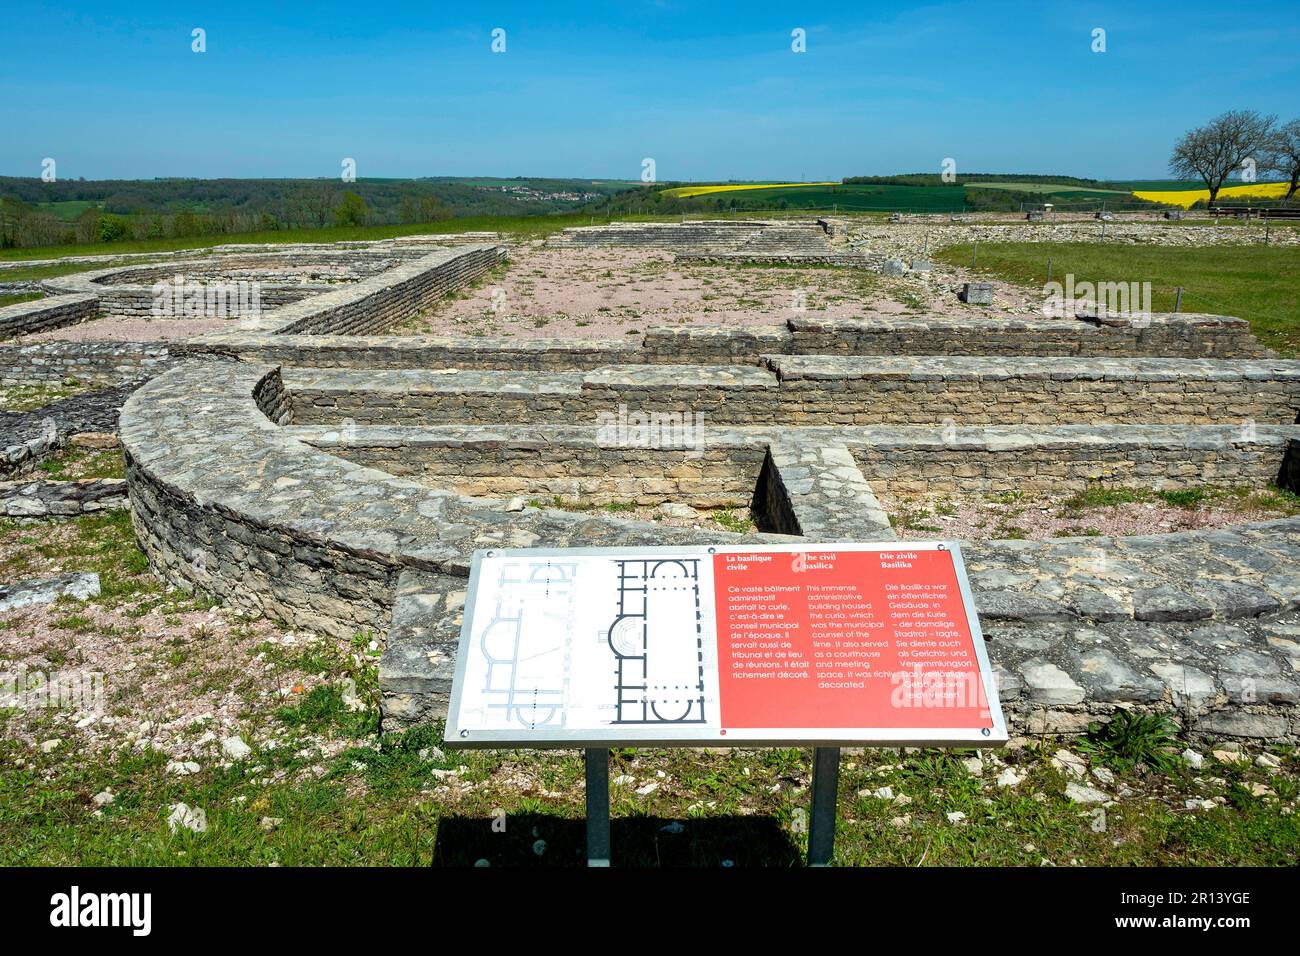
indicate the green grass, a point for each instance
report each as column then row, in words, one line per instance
column 385, row 802
column 69, row 209
column 1236, row 498
column 22, row 398
column 1055, row 189
column 14, row 298
column 1256, row 283
column 333, row 792
column 858, row 198
column 73, row 463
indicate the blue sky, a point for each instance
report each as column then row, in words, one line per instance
column 710, row 91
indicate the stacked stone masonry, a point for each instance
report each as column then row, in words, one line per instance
column 227, row 500
column 40, row 315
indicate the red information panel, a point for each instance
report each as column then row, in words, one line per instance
column 845, row 639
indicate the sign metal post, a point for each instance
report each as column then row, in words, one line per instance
column 825, row 790
column 822, row 646
column 597, row 806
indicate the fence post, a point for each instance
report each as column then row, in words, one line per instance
column 975, row 253
column 1178, row 302
column 1049, row 271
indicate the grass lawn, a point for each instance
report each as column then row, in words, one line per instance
column 15, row 297
column 1256, row 283
column 321, row 787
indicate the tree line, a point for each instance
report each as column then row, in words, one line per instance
column 1244, row 142
column 181, row 208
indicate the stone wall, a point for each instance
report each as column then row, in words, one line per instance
column 1160, row 335
column 569, row 463
column 965, row 390
column 729, row 465
column 39, row 315
column 95, row 363
column 1071, row 459
column 1200, row 625
column 384, row 300
column 1163, row 336
column 39, row 499
column 815, row 390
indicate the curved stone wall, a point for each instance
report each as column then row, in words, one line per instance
column 1203, row 625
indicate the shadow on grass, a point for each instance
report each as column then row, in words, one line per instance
column 748, row 841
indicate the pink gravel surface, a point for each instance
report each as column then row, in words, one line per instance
column 131, row 329
column 178, row 677
column 606, row 293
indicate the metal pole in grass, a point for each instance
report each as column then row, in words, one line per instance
column 1049, row 271
column 975, row 253
column 1178, row 302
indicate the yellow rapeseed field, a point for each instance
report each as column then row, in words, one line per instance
column 686, row 192
column 1187, row 197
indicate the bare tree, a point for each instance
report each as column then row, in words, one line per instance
column 1213, row 151
column 1282, row 154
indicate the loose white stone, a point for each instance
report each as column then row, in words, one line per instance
column 1103, row 775
column 49, row 746
column 182, row 768
column 1009, row 778
column 1081, row 794
column 103, row 798
column 956, row 816
column 1070, row 763
column 1193, row 759
column 235, row 748
column 190, row 818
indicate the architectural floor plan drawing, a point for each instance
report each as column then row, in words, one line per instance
column 524, row 644
column 657, row 643
column 587, row 640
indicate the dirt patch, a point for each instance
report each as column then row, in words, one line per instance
column 177, row 673
column 131, row 329
column 606, row 293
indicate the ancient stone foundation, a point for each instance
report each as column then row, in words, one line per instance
column 341, row 481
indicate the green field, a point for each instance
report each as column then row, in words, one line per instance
column 1255, row 283
column 1055, row 189
column 852, row 198
column 1160, row 185
column 69, row 209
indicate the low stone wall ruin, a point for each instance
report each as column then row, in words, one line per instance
column 40, row 315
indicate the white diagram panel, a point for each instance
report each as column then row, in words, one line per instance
column 588, row 641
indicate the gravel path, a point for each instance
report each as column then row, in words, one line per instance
column 605, row 293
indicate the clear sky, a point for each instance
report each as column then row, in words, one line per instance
column 709, row 91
